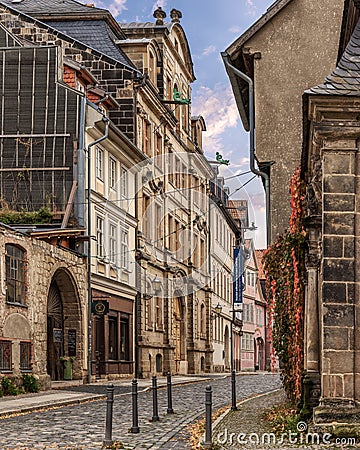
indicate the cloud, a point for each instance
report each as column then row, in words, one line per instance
column 218, row 108
column 208, row 50
column 161, row 3
column 235, row 29
column 116, row 7
column 251, row 7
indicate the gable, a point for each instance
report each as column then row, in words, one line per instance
column 7, row 39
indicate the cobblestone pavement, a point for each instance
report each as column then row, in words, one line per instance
column 82, row 426
column 247, row 429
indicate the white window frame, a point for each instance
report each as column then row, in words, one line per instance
column 124, row 177
column 99, row 165
column 112, row 173
column 100, row 236
column 113, row 241
column 124, row 250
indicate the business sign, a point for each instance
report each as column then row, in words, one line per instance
column 237, row 283
column 100, row 307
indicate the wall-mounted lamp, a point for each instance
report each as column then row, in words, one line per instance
column 218, row 310
column 155, row 288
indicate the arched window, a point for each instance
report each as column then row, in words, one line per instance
column 152, row 68
column 202, row 319
column 15, row 274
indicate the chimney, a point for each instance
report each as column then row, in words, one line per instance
column 176, row 15
column 159, row 15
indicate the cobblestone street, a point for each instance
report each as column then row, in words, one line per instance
column 82, row 426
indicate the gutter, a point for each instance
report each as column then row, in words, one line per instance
column 233, row 72
column 106, row 133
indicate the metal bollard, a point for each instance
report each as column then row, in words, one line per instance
column 233, row 391
column 155, row 416
column 169, row 395
column 208, row 410
column 109, row 414
column 135, row 418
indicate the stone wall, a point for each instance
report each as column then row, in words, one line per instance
column 28, row 321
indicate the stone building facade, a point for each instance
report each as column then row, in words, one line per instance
column 283, row 55
column 43, row 308
column 330, row 166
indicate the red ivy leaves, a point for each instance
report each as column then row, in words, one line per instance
column 285, row 273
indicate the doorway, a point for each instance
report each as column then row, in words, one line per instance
column 55, row 333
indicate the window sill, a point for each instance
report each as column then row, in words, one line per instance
column 21, row 305
column 25, row 370
column 6, row 371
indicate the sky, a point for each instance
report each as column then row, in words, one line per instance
column 211, row 26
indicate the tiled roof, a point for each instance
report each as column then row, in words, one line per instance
column 95, row 34
column 345, row 79
column 239, row 210
column 35, row 7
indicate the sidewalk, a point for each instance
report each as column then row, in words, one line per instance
column 83, row 393
column 247, row 429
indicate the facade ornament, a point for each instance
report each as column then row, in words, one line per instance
column 220, row 159
column 175, row 15
column 314, row 190
column 159, row 15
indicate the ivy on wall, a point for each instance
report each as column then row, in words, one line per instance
column 285, row 284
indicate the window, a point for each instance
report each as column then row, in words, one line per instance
column 159, row 225
column 124, row 338
column 113, row 244
column 15, row 274
column 100, row 237
column 202, row 320
column 124, row 182
column 158, row 144
column 124, row 250
column 112, row 173
column 247, row 342
column 5, row 355
column 113, row 337
column 248, row 313
column 146, row 217
column 152, row 68
column 147, row 137
column 99, row 163
column 158, row 313
column 25, row 355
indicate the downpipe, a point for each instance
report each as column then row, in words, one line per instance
column 233, row 72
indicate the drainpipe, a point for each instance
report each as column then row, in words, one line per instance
column 233, row 72
column 106, row 120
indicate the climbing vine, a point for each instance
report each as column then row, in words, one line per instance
column 285, row 277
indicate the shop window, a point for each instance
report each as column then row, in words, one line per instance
column 124, row 339
column 5, row 355
column 113, row 338
column 15, row 274
column 25, row 355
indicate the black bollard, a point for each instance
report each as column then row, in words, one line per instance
column 109, row 414
column 233, row 391
column 135, row 418
column 155, row 416
column 208, row 410
column 169, row 394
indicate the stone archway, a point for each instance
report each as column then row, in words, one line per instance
column 64, row 325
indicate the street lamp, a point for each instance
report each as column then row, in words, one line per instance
column 218, row 310
column 155, row 288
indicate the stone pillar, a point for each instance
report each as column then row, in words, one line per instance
column 311, row 378
column 338, row 283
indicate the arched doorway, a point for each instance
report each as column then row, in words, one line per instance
column 227, row 348
column 178, row 333
column 55, row 330
column 65, row 337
